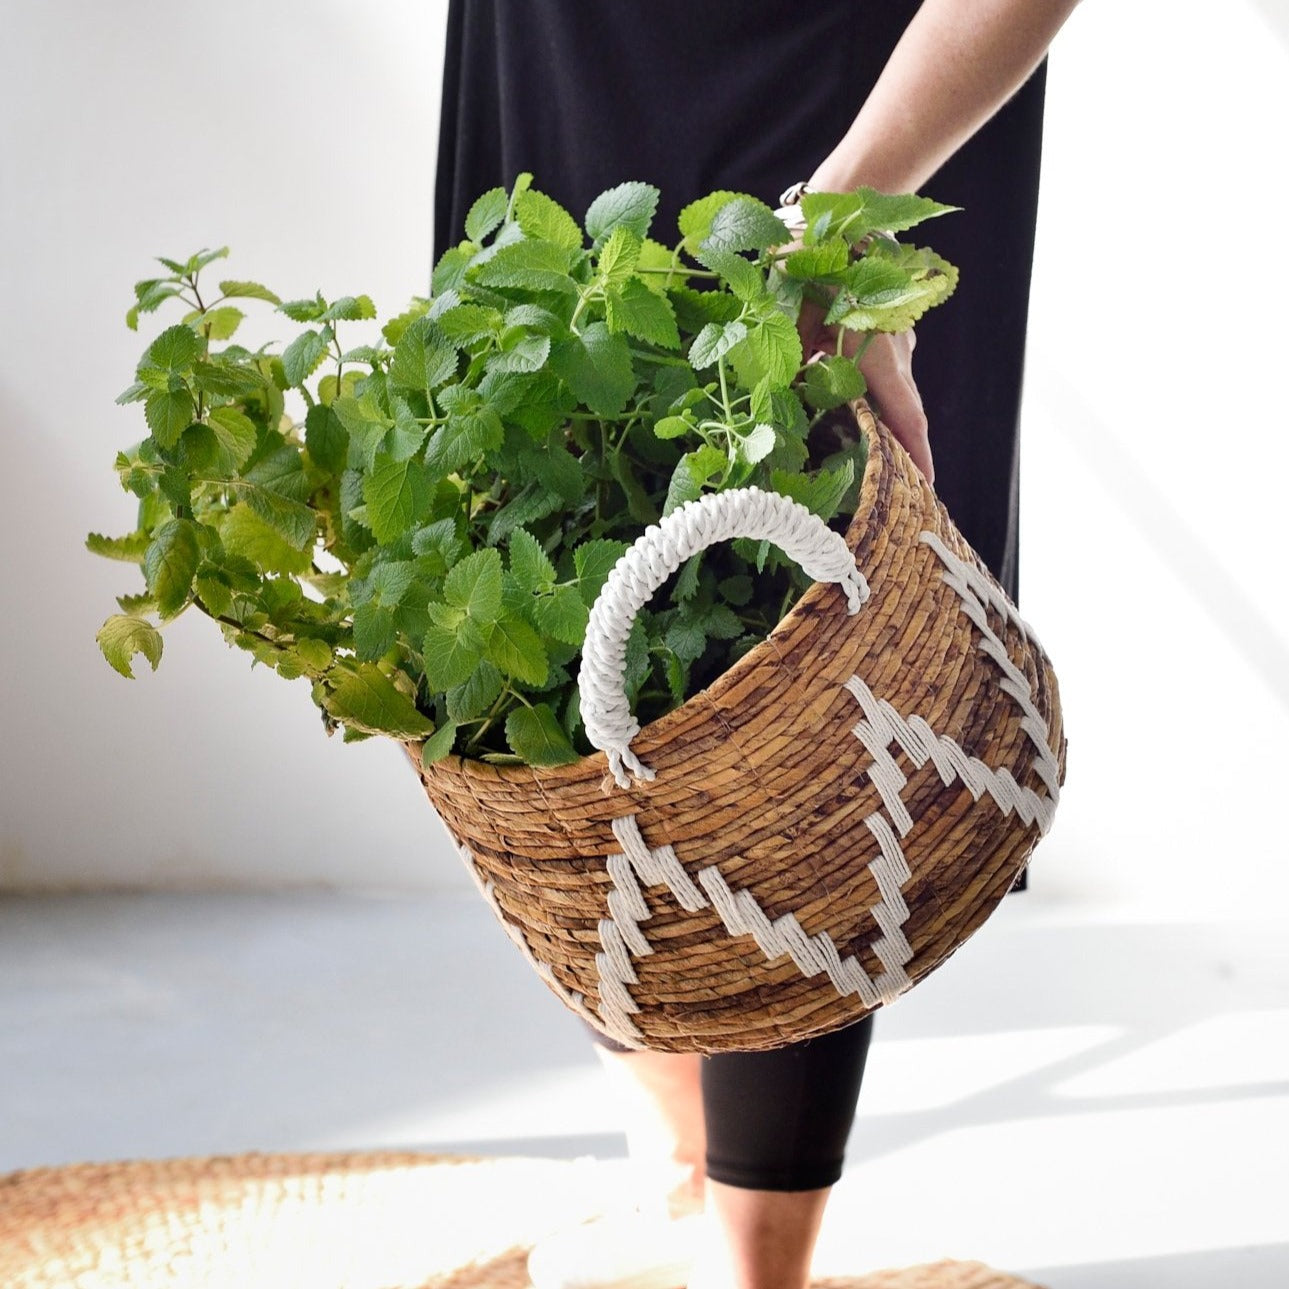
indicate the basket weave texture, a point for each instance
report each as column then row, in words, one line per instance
column 829, row 821
column 375, row 1220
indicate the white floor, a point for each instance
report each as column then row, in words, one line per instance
column 1091, row 1103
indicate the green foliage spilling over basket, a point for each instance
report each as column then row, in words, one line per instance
column 419, row 519
column 587, row 495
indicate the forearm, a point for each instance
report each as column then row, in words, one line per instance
column 957, row 63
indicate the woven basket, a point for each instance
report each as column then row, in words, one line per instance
column 825, row 824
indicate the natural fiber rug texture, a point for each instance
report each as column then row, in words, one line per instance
column 326, row 1221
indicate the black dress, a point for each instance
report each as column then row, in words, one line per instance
column 750, row 95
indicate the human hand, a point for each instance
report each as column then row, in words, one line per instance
column 887, row 365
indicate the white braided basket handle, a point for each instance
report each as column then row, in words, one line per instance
column 656, row 555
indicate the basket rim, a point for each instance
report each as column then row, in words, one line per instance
column 881, row 444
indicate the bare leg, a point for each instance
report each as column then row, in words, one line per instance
column 662, row 1097
column 760, row 1239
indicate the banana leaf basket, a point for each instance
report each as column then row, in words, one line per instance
column 808, row 837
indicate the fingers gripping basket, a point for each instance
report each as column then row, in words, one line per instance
column 805, row 839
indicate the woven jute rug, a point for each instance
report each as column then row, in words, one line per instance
column 325, row 1221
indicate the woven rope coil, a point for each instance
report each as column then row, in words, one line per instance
column 828, row 821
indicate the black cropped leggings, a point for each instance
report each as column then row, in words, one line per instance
column 778, row 1121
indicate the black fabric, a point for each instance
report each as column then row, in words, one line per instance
column 751, row 95
column 778, row 1121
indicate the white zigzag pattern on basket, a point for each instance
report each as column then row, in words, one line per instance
column 883, row 725
column 621, row 936
column 739, row 910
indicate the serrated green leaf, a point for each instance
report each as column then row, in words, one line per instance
column 771, row 351
column 657, row 267
column 820, row 493
column 672, row 427
column 244, row 533
column 686, row 638
column 122, row 636
column 594, row 561
column 714, row 341
column 214, row 593
column 562, row 615
column 235, row 436
column 374, row 634
column 529, row 563
column 695, row 221
column 597, row 368
column 830, row 382
column 199, row 261
column 521, row 352
column 535, row 735
column 423, row 359
column 514, row 647
column 326, row 438
column 174, row 349
column 854, row 215
column 317, row 655
column 687, row 581
column 746, row 224
column 618, row 256
column 301, row 357
column 397, row 326
column 226, row 379
column 542, row 217
column 276, row 488
column 464, row 438
column 220, row 324
column 630, row 205
column 368, row 700
column 349, row 308
column 722, row 623
column 889, row 290
column 439, row 744
column 397, row 495
column 451, row 655
column 682, row 487
column 486, row 214
column 130, row 548
column 824, row 261
column 475, row 586
column 757, row 445
column 302, row 310
column 170, row 564
column 473, row 697
column 641, row 313
column 234, row 289
column 742, row 276
column 557, row 470
column 168, row 414
column 530, row 503
column 527, row 266
column 695, row 309
column 706, row 461
column 467, row 322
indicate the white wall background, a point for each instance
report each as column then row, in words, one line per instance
column 304, row 134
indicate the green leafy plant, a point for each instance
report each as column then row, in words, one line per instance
column 419, row 526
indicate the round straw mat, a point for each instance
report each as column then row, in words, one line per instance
column 322, row 1221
